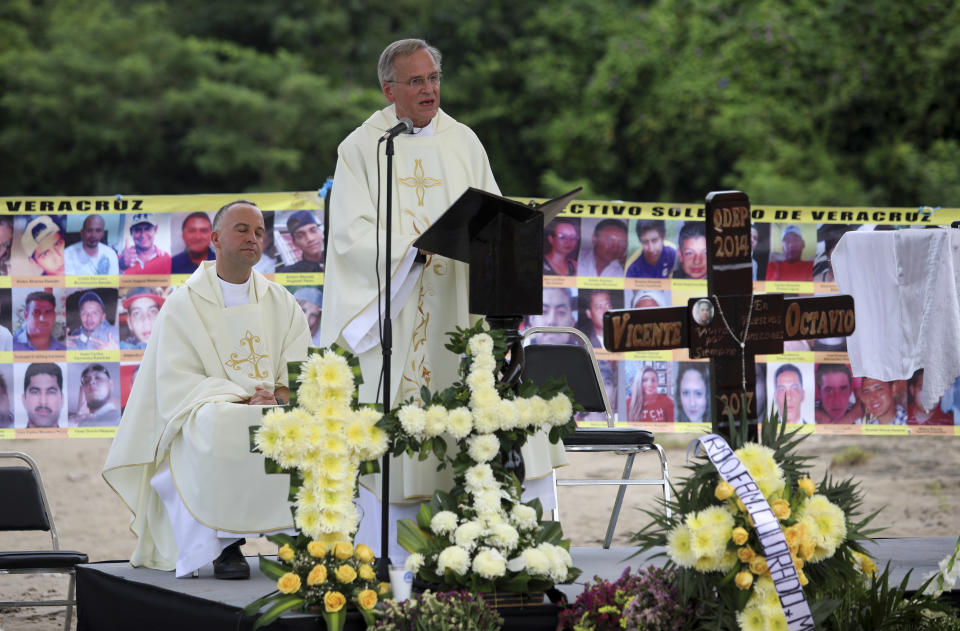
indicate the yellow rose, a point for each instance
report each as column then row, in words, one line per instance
column 343, row 550
column 803, row 578
column 345, row 574
column 383, row 588
column 317, row 575
column 743, row 580
column 797, row 561
column 740, row 506
column 366, row 573
column 794, row 535
column 758, row 565
column 333, row 601
column 364, row 553
column 289, row 583
column 317, row 549
column 781, row 508
column 723, row 491
column 807, row 548
column 807, row 486
column 740, row 536
column 746, row 554
column 285, row 553
column 367, row 599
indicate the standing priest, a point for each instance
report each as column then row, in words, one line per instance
column 434, row 165
column 181, row 459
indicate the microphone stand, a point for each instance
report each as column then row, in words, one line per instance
column 387, row 349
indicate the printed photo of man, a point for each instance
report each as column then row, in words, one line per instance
column 656, row 259
column 195, row 232
column 141, row 306
column 97, row 398
column 310, row 300
column 880, row 404
column 692, row 254
column 43, row 246
column 6, row 382
column 6, row 244
column 91, row 256
column 594, row 303
column 789, row 395
column 790, row 265
column 607, row 250
column 837, row 403
column 42, row 397
column 6, row 337
column 39, row 323
column 95, row 332
column 307, row 236
column 144, row 255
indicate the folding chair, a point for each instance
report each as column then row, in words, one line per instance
column 579, row 365
column 25, row 508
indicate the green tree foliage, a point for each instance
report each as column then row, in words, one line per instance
column 811, row 102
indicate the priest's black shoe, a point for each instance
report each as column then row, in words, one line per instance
column 231, row 564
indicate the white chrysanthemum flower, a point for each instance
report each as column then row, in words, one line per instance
column 443, row 522
column 504, row 537
column 376, row 443
column 481, row 343
column 484, row 398
column 491, row 519
column 487, row 501
column 509, row 417
column 480, row 380
column 465, row 536
column 485, row 420
column 454, row 558
column 560, row 410
column 328, row 370
column 490, row 563
column 414, row 562
column 484, row 363
column 536, row 562
column 483, row 447
column 436, row 421
column 539, row 411
column 460, row 423
column 412, row 418
column 479, row 477
column 525, row 517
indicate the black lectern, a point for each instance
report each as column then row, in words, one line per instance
column 502, row 240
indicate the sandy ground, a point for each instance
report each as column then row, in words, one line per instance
column 916, row 480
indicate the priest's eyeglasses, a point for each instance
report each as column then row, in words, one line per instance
column 416, row 83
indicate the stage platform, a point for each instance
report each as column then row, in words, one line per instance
column 112, row 596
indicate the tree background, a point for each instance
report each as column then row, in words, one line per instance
column 804, row 103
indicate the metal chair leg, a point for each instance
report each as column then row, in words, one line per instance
column 665, row 475
column 621, row 491
column 70, row 596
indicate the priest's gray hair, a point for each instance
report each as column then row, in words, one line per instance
column 218, row 218
column 385, row 70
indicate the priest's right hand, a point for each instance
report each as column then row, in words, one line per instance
column 262, row 396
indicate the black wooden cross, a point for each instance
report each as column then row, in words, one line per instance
column 731, row 324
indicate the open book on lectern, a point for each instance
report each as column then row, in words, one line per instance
column 502, row 241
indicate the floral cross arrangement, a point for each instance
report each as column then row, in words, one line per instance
column 480, row 535
column 712, row 543
column 323, row 439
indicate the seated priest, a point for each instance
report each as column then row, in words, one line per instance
column 181, row 458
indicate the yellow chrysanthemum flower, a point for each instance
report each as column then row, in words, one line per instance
column 751, row 619
column 679, row 546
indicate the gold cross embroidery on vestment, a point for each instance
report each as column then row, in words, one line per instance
column 253, row 358
column 420, row 181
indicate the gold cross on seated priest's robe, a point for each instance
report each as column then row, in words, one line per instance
column 420, row 181
column 253, row 358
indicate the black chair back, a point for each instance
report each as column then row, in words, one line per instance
column 22, row 503
column 542, row 361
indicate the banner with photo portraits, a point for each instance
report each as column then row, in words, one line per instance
column 601, row 255
column 82, row 280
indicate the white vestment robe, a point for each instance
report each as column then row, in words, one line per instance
column 430, row 173
column 906, row 295
column 201, row 361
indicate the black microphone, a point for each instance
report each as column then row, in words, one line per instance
column 405, row 126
